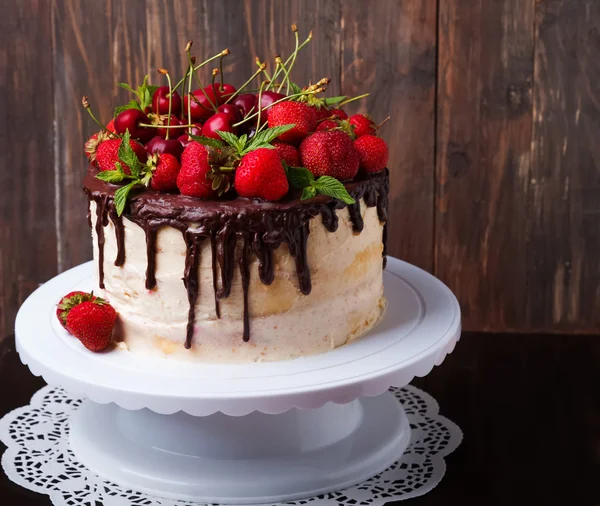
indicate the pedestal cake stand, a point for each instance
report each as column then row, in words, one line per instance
column 250, row 433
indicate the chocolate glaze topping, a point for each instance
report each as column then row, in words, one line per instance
column 250, row 226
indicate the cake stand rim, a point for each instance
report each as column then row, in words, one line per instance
column 269, row 401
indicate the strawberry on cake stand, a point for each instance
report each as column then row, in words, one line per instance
column 231, row 336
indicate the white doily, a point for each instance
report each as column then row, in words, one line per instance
column 40, row 459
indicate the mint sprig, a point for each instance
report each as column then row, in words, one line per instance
column 143, row 93
column 208, row 141
column 243, row 145
column 304, row 179
column 140, row 173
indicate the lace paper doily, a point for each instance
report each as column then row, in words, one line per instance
column 39, row 457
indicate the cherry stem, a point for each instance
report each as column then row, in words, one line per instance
column 215, row 73
column 168, row 127
column 260, row 64
column 289, row 59
column 383, row 122
column 237, row 92
column 201, row 64
column 189, row 102
column 275, row 103
column 259, row 99
column 221, row 76
column 287, row 75
column 86, row 105
column 295, row 53
column 166, row 73
column 347, row 101
column 194, row 69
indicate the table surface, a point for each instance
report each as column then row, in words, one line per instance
column 526, row 403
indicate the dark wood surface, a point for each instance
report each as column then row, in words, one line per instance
column 494, row 106
column 528, row 406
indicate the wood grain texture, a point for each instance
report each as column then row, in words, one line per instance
column 484, row 128
column 94, row 46
column 27, row 218
column 389, row 50
column 564, row 249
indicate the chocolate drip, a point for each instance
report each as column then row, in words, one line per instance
column 213, row 249
column 226, row 240
column 151, row 231
column 120, row 236
column 264, row 253
column 296, row 240
column 245, row 274
column 190, row 279
column 101, row 222
column 261, row 226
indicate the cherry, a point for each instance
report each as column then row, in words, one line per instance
column 200, row 109
column 232, row 111
column 160, row 101
column 226, row 91
column 246, row 102
column 160, row 145
column 174, row 122
column 220, row 121
column 266, row 99
column 130, row 119
column 185, row 139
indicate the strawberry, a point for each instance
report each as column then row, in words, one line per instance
column 193, row 175
column 165, row 168
column 92, row 322
column 287, row 113
column 338, row 113
column 69, row 301
column 327, row 124
column 373, row 153
column 330, row 153
column 362, row 125
column 288, row 153
column 107, row 154
column 260, row 174
column 322, row 113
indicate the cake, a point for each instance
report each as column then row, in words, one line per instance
column 257, row 244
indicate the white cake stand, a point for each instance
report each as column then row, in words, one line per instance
column 252, row 433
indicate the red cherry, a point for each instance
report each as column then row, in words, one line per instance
column 266, row 99
column 130, row 119
column 220, row 121
column 230, row 110
column 200, row 109
column 173, row 122
column 159, row 145
column 246, row 103
column 160, row 101
column 185, row 139
column 224, row 92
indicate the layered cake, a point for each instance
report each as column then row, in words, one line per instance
column 238, row 225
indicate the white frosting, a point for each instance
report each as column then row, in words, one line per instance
column 346, row 298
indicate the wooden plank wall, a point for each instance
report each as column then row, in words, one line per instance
column 493, row 136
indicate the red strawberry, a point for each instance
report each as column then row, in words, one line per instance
column 338, row 113
column 330, row 153
column 107, row 154
column 288, row 153
column 192, row 179
column 373, row 153
column 69, row 301
column 362, row 125
column 165, row 168
column 261, row 175
column 322, row 113
column 327, row 124
column 287, row 113
column 92, row 323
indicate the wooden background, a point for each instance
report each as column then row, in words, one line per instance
column 495, row 151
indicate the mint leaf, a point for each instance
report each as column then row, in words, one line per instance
column 308, row 193
column 112, row 176
column 121, row 195
column 143, row 93
column 125, row 86
column 331, row 187
column 294, row 89
column 232, row 140
column 132, row 104
column 334, row 100
column 128, row 156
column 208, row 141
column 268, row 135
column 299, row 177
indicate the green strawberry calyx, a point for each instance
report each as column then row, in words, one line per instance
column 68, row 303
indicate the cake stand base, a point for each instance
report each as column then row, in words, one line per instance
column 256, row 458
